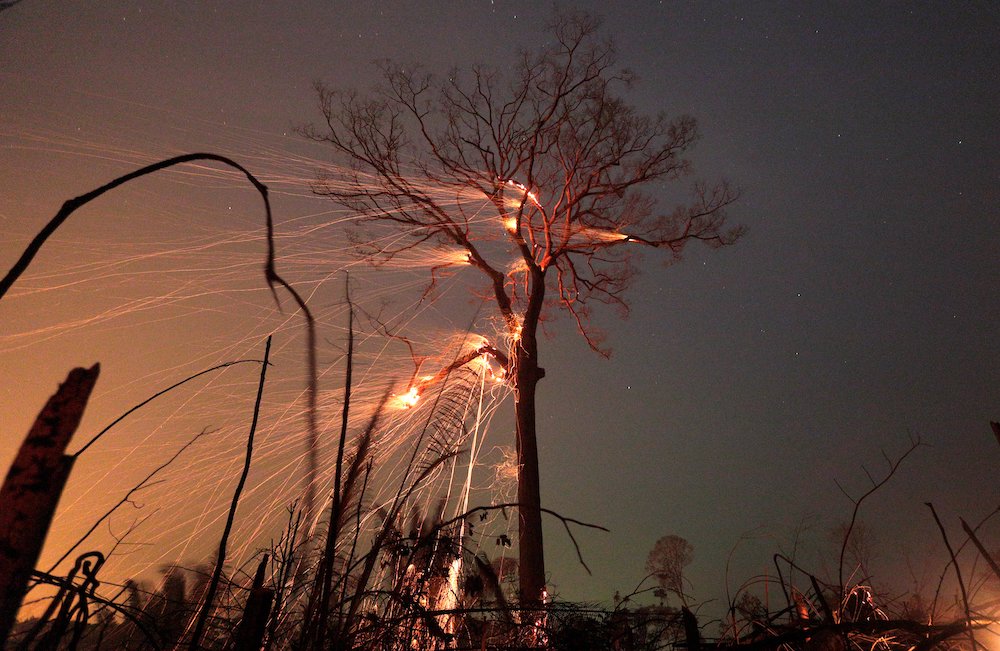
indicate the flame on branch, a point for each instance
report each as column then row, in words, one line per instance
column 555, row 154
column 483, row 356
column 410, row 398
column 539, row 172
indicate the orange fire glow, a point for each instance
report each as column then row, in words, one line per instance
column 520, row 186
column 410, row 398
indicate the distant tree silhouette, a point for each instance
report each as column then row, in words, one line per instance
column 537, row 176
column 666, row 562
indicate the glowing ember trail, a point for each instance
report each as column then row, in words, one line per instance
column 178, row 278
column 528, row 193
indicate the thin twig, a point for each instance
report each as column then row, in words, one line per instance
column 70, row 206
column 893, row 467
column 958, row 572
column 220, row 559
column 50, row 579
column 270, row 274
column 156, row 395
column 126, row 498
column 982, row 550
column 509, row 505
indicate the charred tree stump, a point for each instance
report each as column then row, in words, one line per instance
column 250, row 633
column 33, row 486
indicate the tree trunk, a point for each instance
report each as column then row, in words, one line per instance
column 531, row 561
column 531, row 556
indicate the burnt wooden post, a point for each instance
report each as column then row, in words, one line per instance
column 250, row 633
column 691, row 631
column 32, row 488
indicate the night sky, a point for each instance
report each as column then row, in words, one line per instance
column 860, row 309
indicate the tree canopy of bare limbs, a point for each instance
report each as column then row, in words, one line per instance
column 535, row 176
column 666, row 563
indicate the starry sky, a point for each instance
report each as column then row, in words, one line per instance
column 859, row 311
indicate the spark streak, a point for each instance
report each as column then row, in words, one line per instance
column 175, row 291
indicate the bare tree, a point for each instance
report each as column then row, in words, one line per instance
column 666, row 562
column 533, row 176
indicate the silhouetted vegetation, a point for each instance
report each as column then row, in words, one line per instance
column 559, row 165
column 402, row 576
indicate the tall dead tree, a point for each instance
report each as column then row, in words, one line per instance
column 534, row 175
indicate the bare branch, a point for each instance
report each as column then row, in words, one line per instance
column 538, row 167
column 510, row 505
column 876, row 485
